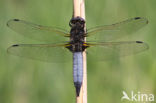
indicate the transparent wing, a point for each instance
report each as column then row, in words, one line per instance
column 37, row 32
column 117, row 30
column 43, row 52
column 109, row 50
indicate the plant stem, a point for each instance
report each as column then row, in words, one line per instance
column 79, row 10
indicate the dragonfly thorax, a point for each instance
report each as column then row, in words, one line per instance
column 77, row 33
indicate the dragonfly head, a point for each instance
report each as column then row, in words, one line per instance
column 77, row 22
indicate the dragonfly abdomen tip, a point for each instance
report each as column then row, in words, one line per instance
column 78, row 87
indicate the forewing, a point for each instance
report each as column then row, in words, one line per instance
column 43, row 52
column 37, row 32
column 117, row 30
column 109, row 50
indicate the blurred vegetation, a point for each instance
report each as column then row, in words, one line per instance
column 29, row 81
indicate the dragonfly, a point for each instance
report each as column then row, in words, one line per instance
column 62, row 45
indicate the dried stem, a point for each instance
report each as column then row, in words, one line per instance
column 79, row 10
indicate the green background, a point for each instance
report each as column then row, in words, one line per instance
column 29, row 81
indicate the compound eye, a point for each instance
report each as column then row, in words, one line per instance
column 82, row 21
column 73, row 21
